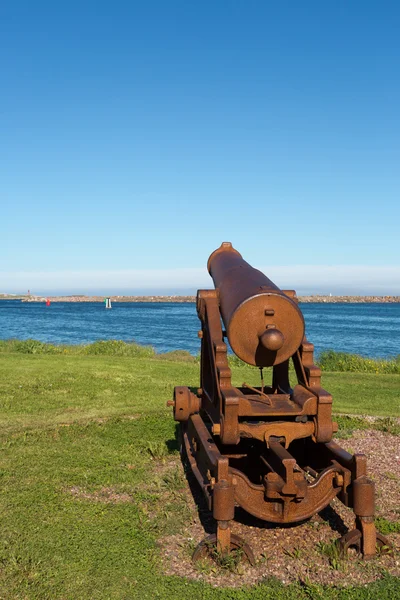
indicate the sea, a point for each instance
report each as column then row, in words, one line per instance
column 371, row 330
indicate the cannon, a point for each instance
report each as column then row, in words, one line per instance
column 268, row 449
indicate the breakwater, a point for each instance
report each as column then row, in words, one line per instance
column 188, row 299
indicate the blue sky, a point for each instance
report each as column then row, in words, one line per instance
column 135, row 137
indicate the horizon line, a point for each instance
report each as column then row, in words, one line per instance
column 305, row 279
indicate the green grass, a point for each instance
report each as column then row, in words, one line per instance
column 348, row 424
column 364, row 393
column 341, row 361
column 45, row 390
column 332, row 551
column 102, row 347
column 328, row 360
column 86, row 483
column 386, row 526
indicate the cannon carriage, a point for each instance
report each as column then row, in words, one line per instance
column 268, row 449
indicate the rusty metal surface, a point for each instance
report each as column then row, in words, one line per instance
column 365, row 539
column 185, row 403
column 268, row 449
column 264, row 326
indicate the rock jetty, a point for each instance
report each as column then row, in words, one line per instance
column 184, row 299
column 350, row 299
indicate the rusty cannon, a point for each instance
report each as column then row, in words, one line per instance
column 267, row 449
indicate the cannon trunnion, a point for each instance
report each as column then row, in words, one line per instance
column 268, row 449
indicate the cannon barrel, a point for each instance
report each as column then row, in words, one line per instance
column 264, row 326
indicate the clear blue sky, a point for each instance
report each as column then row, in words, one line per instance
column 136, row 136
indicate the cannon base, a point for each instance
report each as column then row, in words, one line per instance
column 279, row 486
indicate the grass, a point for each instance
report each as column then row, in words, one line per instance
column 329, row 360
column 88, row 482
column 385, row 526
column 102, row 347
column 332, row 551
column 218, row 561
column 341, row 361
column 348, row 424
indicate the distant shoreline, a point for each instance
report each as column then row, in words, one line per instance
column 190, row 299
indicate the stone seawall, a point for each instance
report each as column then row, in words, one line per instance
column 185, row 299
column 350, row 299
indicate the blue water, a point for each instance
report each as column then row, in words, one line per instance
column 367, row 329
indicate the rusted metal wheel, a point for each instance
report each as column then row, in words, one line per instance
column 207, row 545
column 352, row 539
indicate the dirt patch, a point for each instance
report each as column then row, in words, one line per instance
column 374, row 419
column 130, row 417
column 105, row 495
column 299, row 553
column 98, row 420
column 164, row 467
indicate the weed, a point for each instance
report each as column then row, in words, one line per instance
column 315, row 525
column 174, row 480
column 333, row 553
column 220, row 561
column 293, row 553
column 388, row 425
column 227, row 561
column 391, row 476
column 190, row 546
column 312, row 590
column 157, row 449
column 206, row 567
column 263, row 558
column 385, row 526
column 347, row 425
column 384, row 549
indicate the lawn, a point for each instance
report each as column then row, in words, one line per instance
column 83, row 500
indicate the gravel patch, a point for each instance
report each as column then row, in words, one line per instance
column 302, row 552
column 383, row 455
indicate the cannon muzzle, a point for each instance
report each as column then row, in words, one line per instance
column 264, row 326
